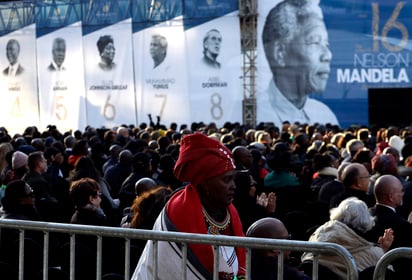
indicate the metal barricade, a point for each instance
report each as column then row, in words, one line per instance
column 128, row 234
column 388, row 258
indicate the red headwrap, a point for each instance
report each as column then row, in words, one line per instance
column 202, row 157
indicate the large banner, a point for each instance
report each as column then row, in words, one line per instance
column 109, row 75
column 18, row 79
column 318, row 65
column 61, row 78
column 161, row 74
column 214, row 63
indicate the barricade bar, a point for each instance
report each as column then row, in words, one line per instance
column 221, row 240
column 388, row 258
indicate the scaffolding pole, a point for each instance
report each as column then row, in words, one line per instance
column 248, row 26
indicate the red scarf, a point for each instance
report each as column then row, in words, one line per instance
column 185, row 212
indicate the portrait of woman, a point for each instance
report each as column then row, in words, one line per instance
column 106, row 48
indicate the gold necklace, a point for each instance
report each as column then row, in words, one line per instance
column 216, row 227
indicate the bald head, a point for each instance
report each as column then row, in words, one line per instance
column 271, row 228
column 356, row 176
column 242, row 156
column 123, row 131
column 388, row 190
column 268, row 228
column 144, row 184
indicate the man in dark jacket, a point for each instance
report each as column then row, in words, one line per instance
column 116, row 174
column 389, row 193
column 45, row 202
column 141, row 167
column 355, row 179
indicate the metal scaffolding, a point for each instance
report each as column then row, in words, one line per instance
column 248, row 24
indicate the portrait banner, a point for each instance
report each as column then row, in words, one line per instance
column 214, row 67
column 109, row 75
column 61, row 78
column 161, row 77
column 18, row 80
column 323, row 71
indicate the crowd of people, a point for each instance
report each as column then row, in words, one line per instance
column 321, row 182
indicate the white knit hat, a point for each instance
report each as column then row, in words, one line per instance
column 19, row 159
column 396, row 142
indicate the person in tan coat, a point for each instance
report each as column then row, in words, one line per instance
column 347, row 225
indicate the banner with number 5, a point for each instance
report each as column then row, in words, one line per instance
column 61, row 78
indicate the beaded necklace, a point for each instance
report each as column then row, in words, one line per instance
column 216, row 227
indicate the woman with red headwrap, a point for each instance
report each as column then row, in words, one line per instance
column 204, row 206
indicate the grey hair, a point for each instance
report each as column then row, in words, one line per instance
column 206, row 37
column 353, row 146
column 354, row 213
column 283, row 20
column 162, row 39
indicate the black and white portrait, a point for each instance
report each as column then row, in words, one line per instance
column 58, row 55
column 12, row 53
column 212, row 43
column 158, row 49
column 296, row 45
column 107, row 51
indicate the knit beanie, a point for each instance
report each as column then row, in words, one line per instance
column 19, row 159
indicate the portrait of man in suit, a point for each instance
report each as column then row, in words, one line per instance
column 212, row 43
column 12, row 52
column 58, row 54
